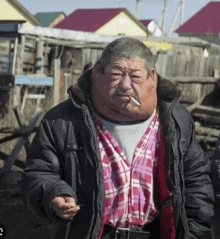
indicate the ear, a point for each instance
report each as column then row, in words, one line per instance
column 153, row 76
column 96, row 71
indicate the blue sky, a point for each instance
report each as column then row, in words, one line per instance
column 148, row 9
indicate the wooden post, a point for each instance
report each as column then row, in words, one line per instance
column 15, row 55
column 39, row 56
column 21, row 57
column 62, row 85
column 16, row 96
column 56, row 82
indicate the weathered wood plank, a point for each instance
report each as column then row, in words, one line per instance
column 39, row 56
column 206, row 131
column 193, row 79
column 56, row 85
column 207, row 110
column 86, row 56
column 180, row 66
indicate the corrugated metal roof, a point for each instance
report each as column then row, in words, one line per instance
column 98, row 38
column 88, row 20
column 46, row 18
column 207, row 20
column 65, row 34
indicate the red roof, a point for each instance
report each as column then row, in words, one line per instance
column 145, row 22
column 88, row 20
column 204, row 21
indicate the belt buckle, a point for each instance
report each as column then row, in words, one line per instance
column 127, row 233
column 126, row 230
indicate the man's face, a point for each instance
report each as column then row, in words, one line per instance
column 122, row 79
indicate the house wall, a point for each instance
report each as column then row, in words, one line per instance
column 121, row 25
column 158, row 46
column 57, row 20
column 9, row 12
column 154, row 29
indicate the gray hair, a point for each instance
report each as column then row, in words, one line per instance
column 126, row 47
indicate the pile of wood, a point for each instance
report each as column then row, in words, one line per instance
column 207, row 124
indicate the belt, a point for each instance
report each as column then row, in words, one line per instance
column 128, row 233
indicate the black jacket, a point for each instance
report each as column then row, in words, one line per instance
column 216, row 177
column 64, row 160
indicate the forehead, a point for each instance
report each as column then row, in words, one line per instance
column 125, row 63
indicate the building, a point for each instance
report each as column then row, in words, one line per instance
column 204, row 24
column 50, row 19
column 152, row 27
column 106, row 21
column 14, row 10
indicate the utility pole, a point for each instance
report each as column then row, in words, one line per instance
column 163, row 18
column 137, row 8
column 182, row 12
column 180, row 7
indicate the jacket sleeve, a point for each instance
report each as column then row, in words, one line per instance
column 199, row 196
column 41, row 180
column 216, row 176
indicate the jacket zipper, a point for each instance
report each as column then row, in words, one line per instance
column 94, row 154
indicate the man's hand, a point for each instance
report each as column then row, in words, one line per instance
column 65, row 207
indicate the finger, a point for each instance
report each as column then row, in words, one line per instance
column 60, row 202
column 61, row 210
column 69, row 199
column 66, row 215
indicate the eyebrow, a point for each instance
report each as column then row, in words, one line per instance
column 121, row 68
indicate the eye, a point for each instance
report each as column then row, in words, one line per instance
column 116, row 75
column 135, row 76
column 136, row 79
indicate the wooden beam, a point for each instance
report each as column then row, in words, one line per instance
column 206, row 139
column 70, row 43
column 202, row 80
column 39, row 56
column 208, row 110
column 21, row 56
column 56, row 83
column 15, row 55
column 200, row 130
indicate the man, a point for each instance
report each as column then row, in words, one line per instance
column 119, row 159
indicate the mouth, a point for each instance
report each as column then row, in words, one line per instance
column 129, row 97
column 123, row 95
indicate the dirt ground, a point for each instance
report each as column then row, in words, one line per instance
column 20, row 222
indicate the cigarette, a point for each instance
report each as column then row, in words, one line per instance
column 80, row 205
column 135, row 101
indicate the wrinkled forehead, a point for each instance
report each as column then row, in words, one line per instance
column 127, row 63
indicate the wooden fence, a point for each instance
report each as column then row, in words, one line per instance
column 35, row 55
column 196, row 74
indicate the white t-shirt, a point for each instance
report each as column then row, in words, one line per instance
column 127, row 135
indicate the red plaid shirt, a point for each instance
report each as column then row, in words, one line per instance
column 129, row 189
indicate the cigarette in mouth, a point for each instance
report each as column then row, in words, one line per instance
column 135, row 101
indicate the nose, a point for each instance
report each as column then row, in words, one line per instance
column 125, row 82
